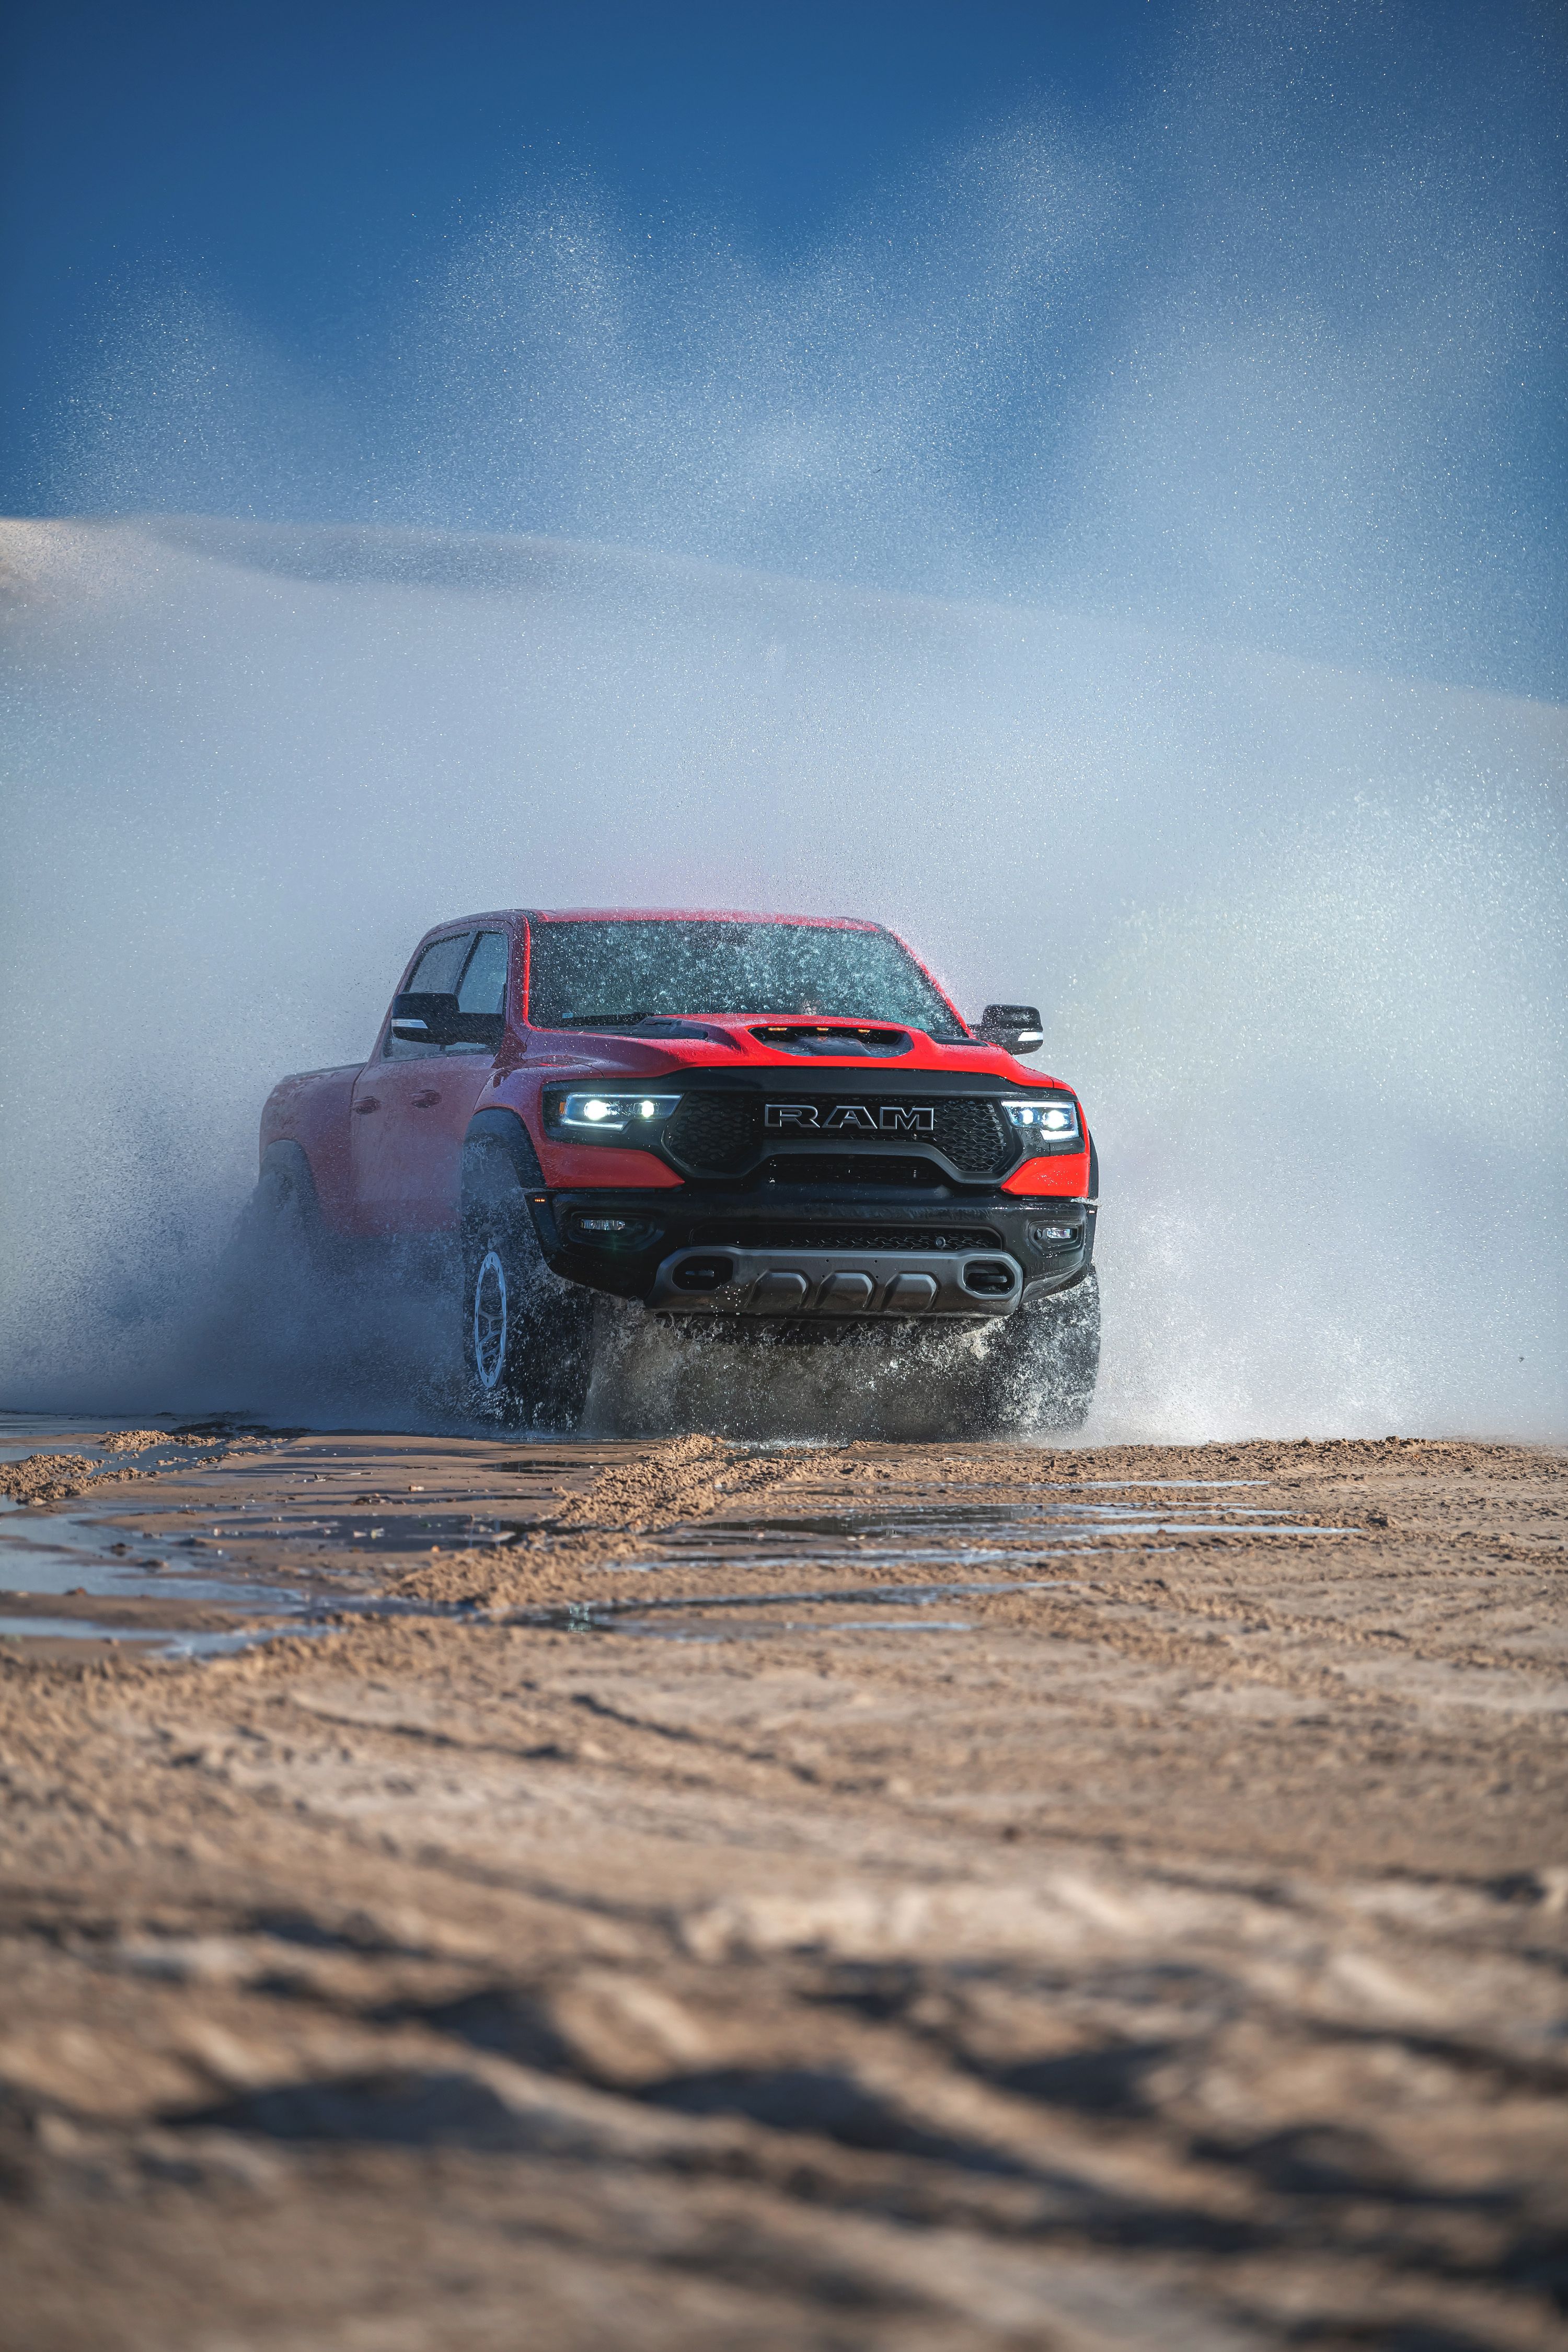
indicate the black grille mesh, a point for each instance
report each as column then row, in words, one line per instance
column 974, row 1135
column 719, row 1134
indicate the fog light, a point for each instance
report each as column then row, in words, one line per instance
column 1054, row 1233
column 613, row 1232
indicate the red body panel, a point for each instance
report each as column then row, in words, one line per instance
column 385, row 1139
column 313, row 1110
column 408, row 1124
column 1065, row 1178
column 576, row 1165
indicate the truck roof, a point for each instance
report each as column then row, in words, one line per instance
column 690, row 915
column 648, row 915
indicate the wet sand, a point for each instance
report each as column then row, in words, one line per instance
column 870, row 1896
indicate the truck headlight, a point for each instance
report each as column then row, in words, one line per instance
column 1043, row 1120
column 597, row 1114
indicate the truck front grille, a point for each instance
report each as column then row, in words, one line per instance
column 721, row 1134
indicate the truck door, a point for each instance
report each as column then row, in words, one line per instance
column 412, row 1103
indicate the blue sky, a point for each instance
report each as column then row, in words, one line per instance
column 1243, row 315
column 301, row 159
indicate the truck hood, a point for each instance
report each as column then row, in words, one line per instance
column 799, row 1043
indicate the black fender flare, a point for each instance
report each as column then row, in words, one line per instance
column 289, row 1159
column 506, row 1128
column 505, row 1131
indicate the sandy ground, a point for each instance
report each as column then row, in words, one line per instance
column 1074, row 1912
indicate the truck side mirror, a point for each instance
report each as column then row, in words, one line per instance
column 1017, row 1028
column 423, row 1018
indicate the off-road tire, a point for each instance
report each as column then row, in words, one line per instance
column 1038, row 1370
column 527, row 1336
column 283, row 1219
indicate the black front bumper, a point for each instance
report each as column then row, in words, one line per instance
column 1050, row 1240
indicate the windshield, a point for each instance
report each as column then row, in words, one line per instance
column 600, row 975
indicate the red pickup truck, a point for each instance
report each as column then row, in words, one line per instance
column 755, row 1126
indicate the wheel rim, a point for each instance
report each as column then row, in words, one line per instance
column 489, row 1320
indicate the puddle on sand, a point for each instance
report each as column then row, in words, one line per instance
column 74, row 1629
column 903, row 1530
column 158, row 1641
column 627, row 1616
column 720, row 1555
column 638, row 1628
column 900, row 1596
column 1138, row 1483
column 944, row 1529
column 65, row 1556
column 22, row 1433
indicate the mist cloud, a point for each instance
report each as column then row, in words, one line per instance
column 1099, row 559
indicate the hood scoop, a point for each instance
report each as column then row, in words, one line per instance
column 661, row 1025
column 838, row 1040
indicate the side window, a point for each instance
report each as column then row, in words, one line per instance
column 482, row 988
column 435, row 974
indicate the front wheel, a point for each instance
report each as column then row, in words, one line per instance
column 1039, row 1367
column 492, row 1314
column 527, row 1336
